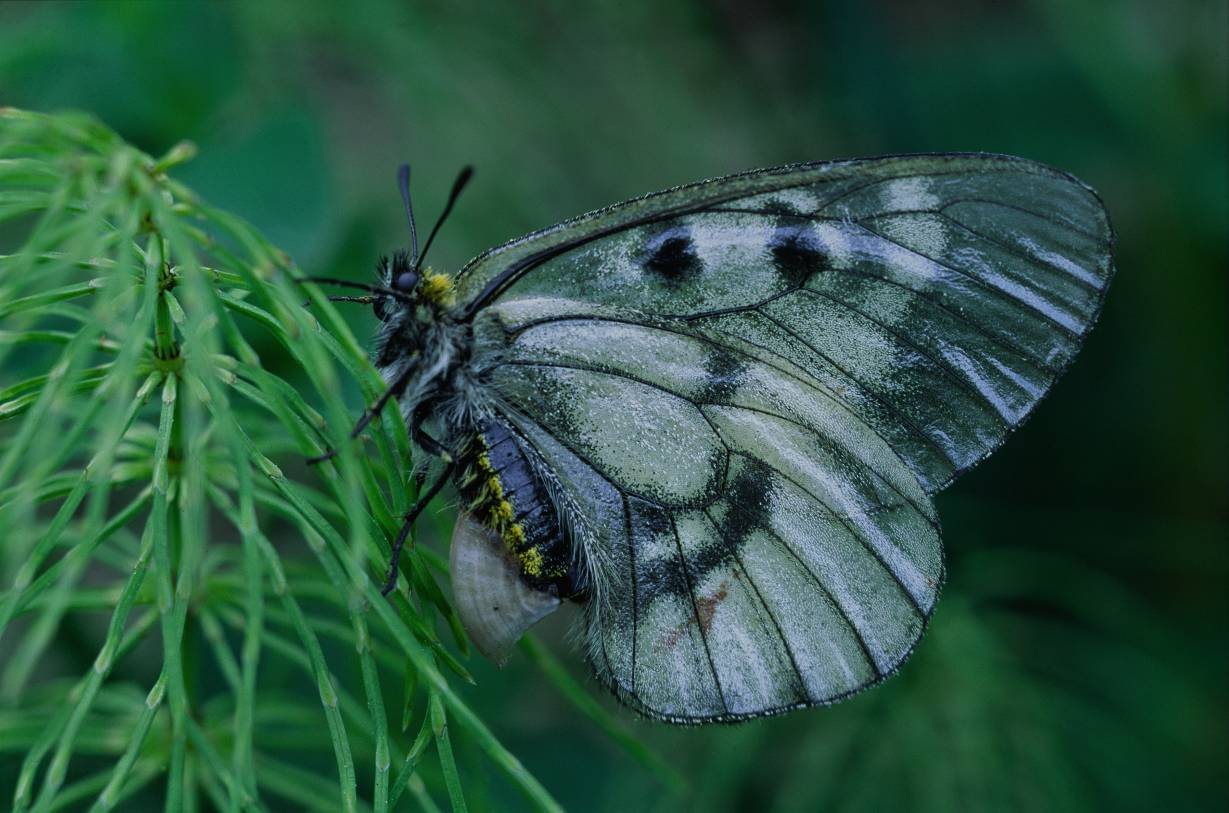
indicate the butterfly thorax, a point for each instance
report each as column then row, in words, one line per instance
column 425, row 351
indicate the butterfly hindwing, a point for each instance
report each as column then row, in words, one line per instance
column 746, row 391
column 766, row 549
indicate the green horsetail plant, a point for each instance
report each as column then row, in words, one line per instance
column 165, row 379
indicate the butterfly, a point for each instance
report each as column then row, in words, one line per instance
column 715, row 417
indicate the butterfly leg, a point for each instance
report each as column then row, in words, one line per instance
column 390, row 583
column 423, row 439
column 394, row 390
column 430, row 445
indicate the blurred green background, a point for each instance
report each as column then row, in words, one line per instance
column 1078, row 657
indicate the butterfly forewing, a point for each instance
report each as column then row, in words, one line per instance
column 748, row 388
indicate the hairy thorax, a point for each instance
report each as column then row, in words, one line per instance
column 426, row 351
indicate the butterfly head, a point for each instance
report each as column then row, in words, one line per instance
column 407, row 287
column 403, row 278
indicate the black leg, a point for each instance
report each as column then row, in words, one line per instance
column 390, row 583
column 320, row 458
column 395, row 389
column 424, row 440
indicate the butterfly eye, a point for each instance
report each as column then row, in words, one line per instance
column 405, row 281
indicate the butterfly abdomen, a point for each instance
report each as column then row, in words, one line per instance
column 504, row 491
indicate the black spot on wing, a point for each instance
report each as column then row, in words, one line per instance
column 796, row 253
column 665, row 577
column 747, row 501
column 778, row 206
column 723, row 371
column 659, row 575
column 671, row 255
column 747, row 511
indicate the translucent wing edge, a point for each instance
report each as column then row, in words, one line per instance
column 1062, row 368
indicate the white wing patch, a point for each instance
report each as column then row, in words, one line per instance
column 836, row 244
column 625, row 429
column 909, row 195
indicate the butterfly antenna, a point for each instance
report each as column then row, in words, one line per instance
column 403, row 183
column 362, row 286
column 457, row 186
